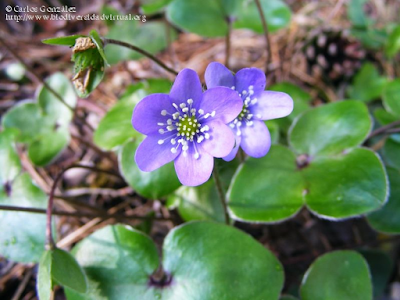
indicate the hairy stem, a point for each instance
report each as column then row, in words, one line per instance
column 141, row 51
column 267, row 40
column 228, row 42
column 385, row 129
column 221, row 193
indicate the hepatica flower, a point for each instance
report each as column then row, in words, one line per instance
column 187, row 126
column 250, row 131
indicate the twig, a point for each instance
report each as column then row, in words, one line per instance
column 141, row 51
column 47, row 86
column 23, row 284
column 267, row 40
column 104, row 154
column 384, row 129
column 49, row 229
column 221, row 193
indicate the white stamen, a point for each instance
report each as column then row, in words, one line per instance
column 201, row 111
column 163, row 112
column 190, row 101
column 161, row 131
column 173, row 141
column 160, row 124
column 173, row 150
column 233, row 87
column 196, row 155
column 182, row 105
column 160, row 142
column 174, row 105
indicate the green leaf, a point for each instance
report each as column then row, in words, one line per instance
column 119, row 263
column 387, row 218
column 99, row 44
column 287, row 297
column 154, row 185
column 205, row 17
column 391, row 97
column 51, row 105
column 273, row 127
column 48, row 146
column 15, row 71
column 267, row 189
column 149, row 36
column 391, row 152
column 392, row 46
column 381, row 267
column 116, row 128
column 211, row 16
column 384, row 117
column 44, row 280
column 63, row 40
column 337, row 275
column 28, row 119
column 193, row 254
column 371, row 38
column 330, row 129
column 9, row 160
column 367, row 84
column 346, row 185
column 23, row 234
column 356, row 14
column 66, row 271
column 198, row 203
column 150, row 7
column 276, row 12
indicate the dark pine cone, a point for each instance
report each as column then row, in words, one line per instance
column 333, row 55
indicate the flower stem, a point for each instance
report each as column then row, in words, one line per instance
column 228, row 42
column 221, row 193
column 267, row 40
column 141, row 51
column 103, row 215
column 384, row 129
column 50, row 244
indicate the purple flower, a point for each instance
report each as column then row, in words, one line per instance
column 258, row 105
column 187, row 126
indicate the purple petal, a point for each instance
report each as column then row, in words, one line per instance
column 256, row 139
column 191, row 171
column 147, row 113
column 218, row 75
column 186, row 86
column 250, row 77
column 235, row 149
column 150, row 155
column 222, row 139
column 225, row 102
column 272, row 105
